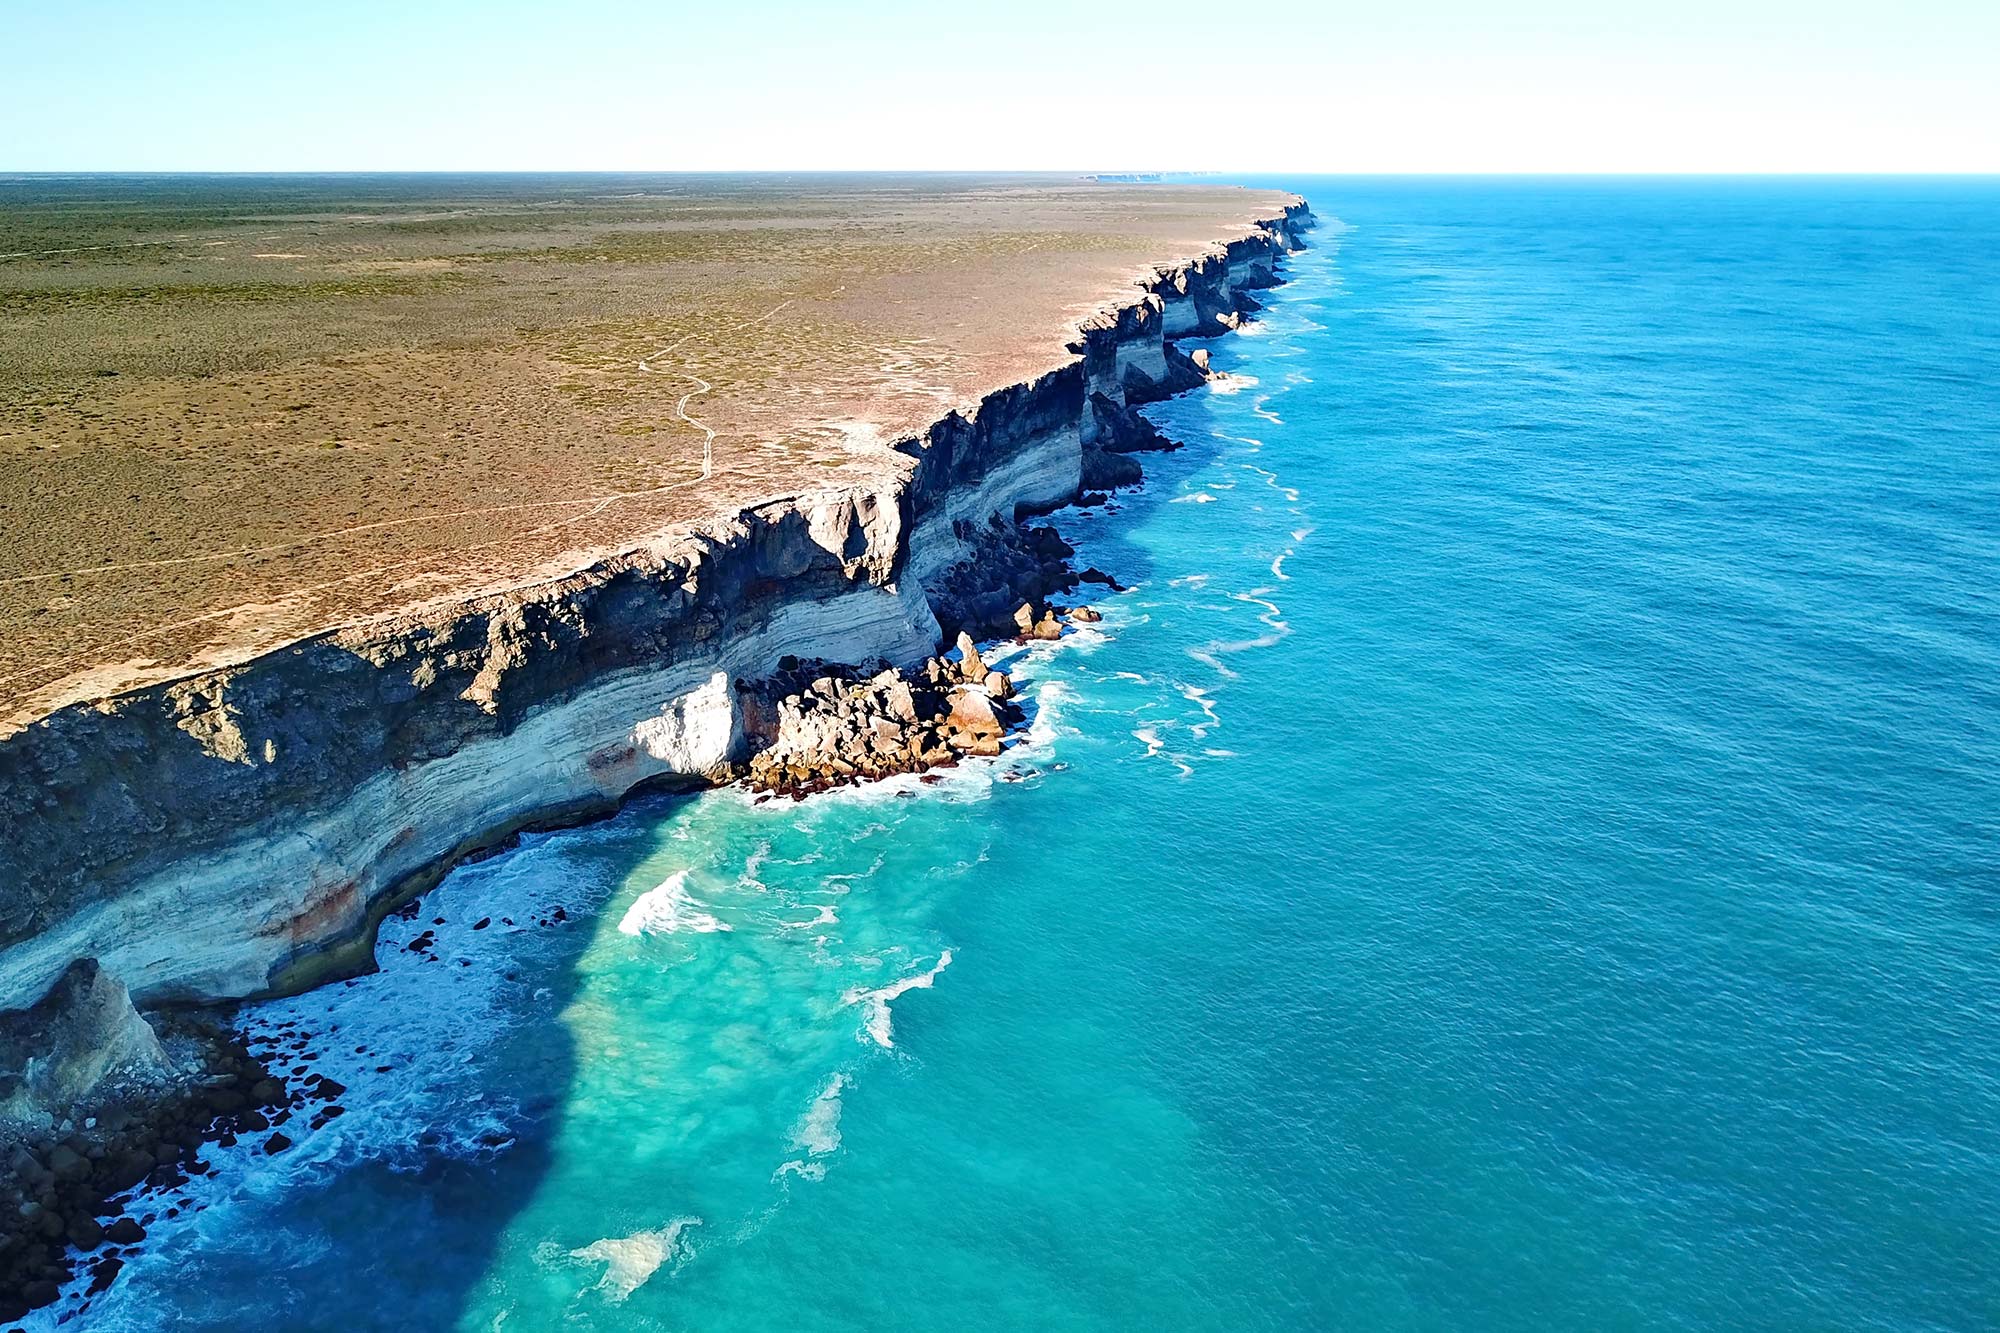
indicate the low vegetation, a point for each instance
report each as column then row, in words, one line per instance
column 236, row 410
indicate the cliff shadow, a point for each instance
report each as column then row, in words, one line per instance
column 467, row 1070
column 1189, row 420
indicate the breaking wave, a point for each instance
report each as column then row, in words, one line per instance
column 667, row 910
column 630, row 1261
column 877, row 1020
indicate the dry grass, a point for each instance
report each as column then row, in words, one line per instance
column 237, row 411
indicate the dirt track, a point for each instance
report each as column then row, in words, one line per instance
column 236, row 412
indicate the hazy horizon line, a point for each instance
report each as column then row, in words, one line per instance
column 1080, row 172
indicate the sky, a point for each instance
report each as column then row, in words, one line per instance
column 1088, row 85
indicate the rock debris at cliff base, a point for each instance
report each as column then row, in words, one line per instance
column 79, row 1189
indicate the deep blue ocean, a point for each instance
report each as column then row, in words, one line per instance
column 1521, row 856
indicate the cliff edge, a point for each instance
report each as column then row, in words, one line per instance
column 240, row 831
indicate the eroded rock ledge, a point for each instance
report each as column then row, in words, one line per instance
column 241, row 831
column 821, row 725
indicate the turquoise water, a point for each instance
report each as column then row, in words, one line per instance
column 1522, row 856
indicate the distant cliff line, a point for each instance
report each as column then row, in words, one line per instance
column 241, row 830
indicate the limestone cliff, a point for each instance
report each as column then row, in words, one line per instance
column 241, row 831
column 83, row 1036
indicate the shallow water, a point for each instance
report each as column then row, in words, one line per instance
column 1522, row 856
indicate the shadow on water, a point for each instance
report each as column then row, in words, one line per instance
column 529, row 1190
column 1190, row 420
column 394, row 1216
column 438, row 1254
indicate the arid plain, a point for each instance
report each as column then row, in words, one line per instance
column 236, row 411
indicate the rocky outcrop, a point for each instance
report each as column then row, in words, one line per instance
column 79, row 1041
column 1010, row 564
column 67, row 1174
column 242, row 831
column 822, row 726
column 1120, row 430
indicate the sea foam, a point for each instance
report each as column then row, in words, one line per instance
column 667, row 910
column 877, row 1021
column 817, row 1133
column 630, row 1261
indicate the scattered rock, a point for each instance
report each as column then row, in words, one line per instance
column 815, row 725
column 80, row 1043
column 1006, row 565
column 104, row 1272
column 65, row 1163
column 970, row 665
column 973, row 710
column 1107, row 471
column 124, row 1136
column 1120, row 430
column 821, row 726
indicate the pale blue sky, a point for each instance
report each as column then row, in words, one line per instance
column 1430, row 85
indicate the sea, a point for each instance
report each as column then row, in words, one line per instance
column 1524, row 853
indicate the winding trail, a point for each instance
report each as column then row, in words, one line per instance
column 87, row 249
column 680, row 408
column 598, row 504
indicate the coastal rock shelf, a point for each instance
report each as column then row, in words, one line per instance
column 241, row 831
column 834, row 728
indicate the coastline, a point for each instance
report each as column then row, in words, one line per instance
column 313, row 789
column 919, row 565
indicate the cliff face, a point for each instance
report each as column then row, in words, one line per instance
column 241, row 831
